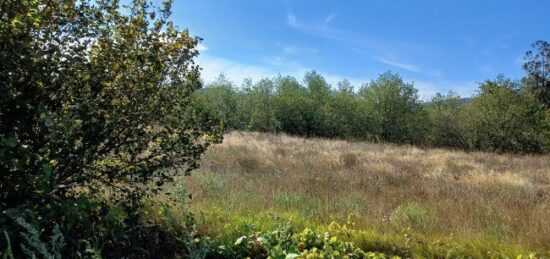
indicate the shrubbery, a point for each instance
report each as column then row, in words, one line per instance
column 96, row 113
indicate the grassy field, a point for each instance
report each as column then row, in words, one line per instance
column 397, row 199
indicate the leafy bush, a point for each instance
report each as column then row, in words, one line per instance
column 97, row 108
column 34, row 247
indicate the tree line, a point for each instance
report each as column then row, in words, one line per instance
column 505, row 115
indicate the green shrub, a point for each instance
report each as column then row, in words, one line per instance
column 97, row 108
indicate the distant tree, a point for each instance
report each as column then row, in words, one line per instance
column 221, row 98
column 318, row 96
column 292, row 107
column 387, row 109
column 343, row 113
column 537, row 66
column 259, row 105
column 444, row 118
column 391, row 107
column 503, row 118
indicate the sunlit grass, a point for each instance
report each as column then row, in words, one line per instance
column 403, row 198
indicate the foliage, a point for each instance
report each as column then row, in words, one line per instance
column 292, row 106
column 286, row 242
column 386, row 109
column 502, row 118
column 97, row 103
column 537, row 66
column 444, row 114
column 392, row 105
column 34, row 247
column 7, row 251
column 222, row 100
column 259, row 104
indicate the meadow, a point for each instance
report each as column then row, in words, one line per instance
column 112, row 142
column 401, row 200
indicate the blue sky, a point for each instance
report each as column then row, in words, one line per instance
column 440, row 45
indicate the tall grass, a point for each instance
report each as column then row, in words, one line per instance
column 393, row 191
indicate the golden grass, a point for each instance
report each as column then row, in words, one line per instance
column 433, row 192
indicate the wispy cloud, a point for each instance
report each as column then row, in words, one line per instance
column 212, row 67
column 236, row 71
column 274, row 66
column 376, row 49
column 395, row 63
column 201, row 47
column 329, row 18
column 321, row 29
column 428, row 89
column 291, row 20
column 292, row 50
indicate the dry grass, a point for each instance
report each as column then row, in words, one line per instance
column 435, row 192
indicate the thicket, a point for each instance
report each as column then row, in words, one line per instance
column 504, row 116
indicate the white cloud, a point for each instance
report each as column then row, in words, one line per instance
column 464, row 89
column 201, row 47
column 291, row 19
column 427, row 89
column 392, row 62
column 320, row 29
column 274, row 66
column 212, row 67
column 235, row 71
column 291, row 50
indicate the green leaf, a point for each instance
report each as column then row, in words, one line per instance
column 240, row 240
column 10, row 142
column 47, row 168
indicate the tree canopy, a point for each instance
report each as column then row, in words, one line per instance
column 505, row 115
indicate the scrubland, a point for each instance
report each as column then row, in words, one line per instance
column 402, row 200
